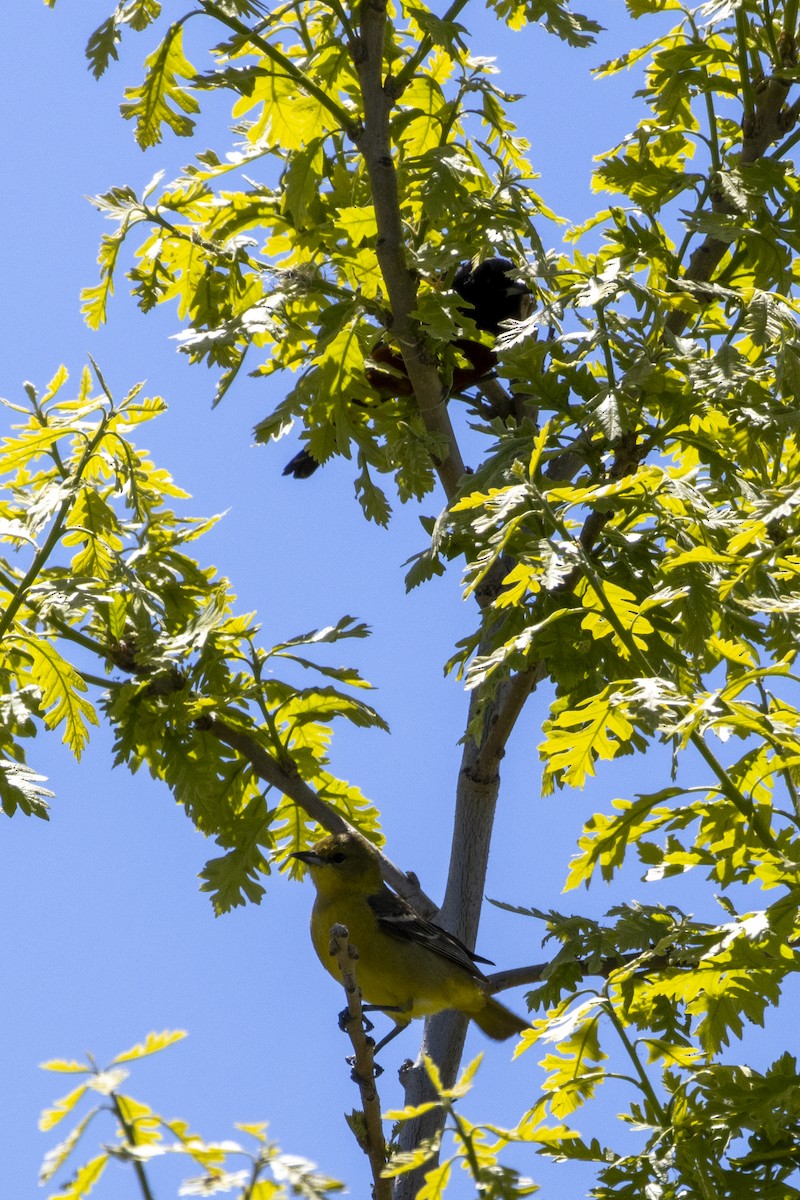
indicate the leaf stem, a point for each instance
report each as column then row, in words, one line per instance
column 742, row 31
column 770, row 34
column 343, row 117
column 605, row 342
column 403, row 76
column 734, row 794
column 466, row 1141
column 630, row 1049
column 130, row 1134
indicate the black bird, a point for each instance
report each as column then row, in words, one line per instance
column 494, row 295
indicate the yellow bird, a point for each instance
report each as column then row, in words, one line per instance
column 407, row 966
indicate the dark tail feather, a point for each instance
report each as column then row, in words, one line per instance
column 302, row 465
column 497, row 1021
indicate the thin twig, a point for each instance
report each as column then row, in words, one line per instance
column 501, row 981
column 366, row 1125
column 285, row 777
column 762, row 126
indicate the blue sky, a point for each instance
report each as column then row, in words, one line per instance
column 105, row 934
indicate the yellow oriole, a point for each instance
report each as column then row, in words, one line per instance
column 407, row 966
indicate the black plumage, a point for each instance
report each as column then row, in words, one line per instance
column 302, row 465
column 493, row 292
column 494, row 295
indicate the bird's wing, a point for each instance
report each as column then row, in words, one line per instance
column 398, row 918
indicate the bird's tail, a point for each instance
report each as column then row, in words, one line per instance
column 497, row 1021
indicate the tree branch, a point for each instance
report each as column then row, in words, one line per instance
column 285, row 777
column 281, row 64
column 374, row 143
column 444, row 1034
column 512, row 697
column 765, row 124
column 501, row 981
column 366, row 1125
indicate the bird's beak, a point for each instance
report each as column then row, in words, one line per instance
column 308, row 857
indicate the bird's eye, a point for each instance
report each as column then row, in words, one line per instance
column 337, row 858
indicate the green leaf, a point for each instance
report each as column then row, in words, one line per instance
column 161, row 100
column 301, row 182
column 425, row 566
column 16, row 453
column 605, row 841
column 68, row 1066
column 464, row 1082
column 555, row 15
column 401, row 1163
column 151, row 1045
column 54, row 1159
column 372, row 499
column 324, row 704
column 84, row 1179
column 20, row 787
column 345, row 627
column 436, row 1181
column 52, row 1116
column 411, row 1111
column 102, row 46
column 627, row 613
column 576, row 738
column 234, row 878
column 61, row 687
column 141, row 13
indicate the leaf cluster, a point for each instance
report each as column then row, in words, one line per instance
column 673, row 995
column 143, row 1137
column 100, row 594
column 269, row 251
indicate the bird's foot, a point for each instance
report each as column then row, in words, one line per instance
column 345, row 1020
column 377, row 1070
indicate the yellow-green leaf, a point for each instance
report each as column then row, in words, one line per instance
column 436, row 1182
column 576, row 738
column 161, row 100
column 52, row 1116
column 151, row 1045
column 65, row 1065
column 61, row 687
column 411, row 1111
column 464, row 1082
column 84, row 1179
column 55, row 1158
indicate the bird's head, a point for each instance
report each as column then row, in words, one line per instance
column 342, row 861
